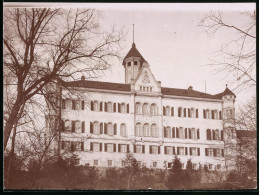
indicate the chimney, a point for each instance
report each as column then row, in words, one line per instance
column 82, row 78
column 190, row 88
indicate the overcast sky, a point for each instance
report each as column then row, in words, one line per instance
column 169, row 38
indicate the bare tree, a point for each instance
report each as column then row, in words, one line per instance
column 236, row 58
column 41, row 45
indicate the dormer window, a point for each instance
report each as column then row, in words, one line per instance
column 135, row 62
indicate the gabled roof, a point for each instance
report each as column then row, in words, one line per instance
column 246, row 133
column 133, row 52
column 226, row 92
column 187, row 93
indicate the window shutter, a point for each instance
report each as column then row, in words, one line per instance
column 92, row 106
column 189, row 114
column 213, row 134
column 143, row 149
column 62, row 145
column 135, row 148
column 119, row 148
column 164, row 132
column 105, row 128
column 83, row 104
column 173, row 132
column 73, row 105
column 150, row 149
column 114, row 107
column 105, row 147
column 172, row 111
column 101, row 106
column 91, row 146
column 127, row 108
column 214, row 152
column 165, row 150
column 190, row 151
column 190, row 133
column 101, row 128
column 204, row 113
column 119, row 107
column 186, row 151
column 158, row 149
column 206, row 151
column 83, row 126
column 198, row 133
column 184, row 111
column 173, row 150
column 82, row 146
column 177, row 132
column 222, row 135
column 198, row 151
column 101, row 147
column 197, row 113
column 179, row 112
column 115, row 129
column 222, row 152
column 63, row 104
column 73, row 126
column 128, row 150
column 220, row 115
column 186, row 133
column 91, row 127
column 178, row 150
column 105, row 106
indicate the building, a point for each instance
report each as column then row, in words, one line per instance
column 140, row 116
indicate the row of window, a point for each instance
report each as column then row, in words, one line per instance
column 107, row 128
column 192, row 113
column 214, row 134
column 182, row 133
column 73, row 104
column 212, row 114
column 146, row 130
column 141, row 149
column 143, row 88
column 109, row 107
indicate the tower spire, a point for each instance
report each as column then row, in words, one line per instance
column 133, row 33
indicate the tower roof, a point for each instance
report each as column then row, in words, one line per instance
column 133, row 52
column 226, row 92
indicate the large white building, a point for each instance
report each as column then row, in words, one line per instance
column 142, row 117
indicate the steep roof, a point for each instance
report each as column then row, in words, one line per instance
column 126, row 87
column 246, row 133
column 133, row 52
column 187, row 93
column 226, row 92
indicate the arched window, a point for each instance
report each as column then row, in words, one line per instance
column 217, row 137
column 220, row 115
column 110, row 129
column 168, row 132
column 123, row 108
column 181, row 133
column 216, row 113
column 123, row 129
column 138, row 108
column 77, row 105
column 193, row 133
column 154, row 131
column 208, row 134
column 180, row 110
column 145, row 109
column 96, row 106
column 138, row 130
column 109, row 107
column 146, row 130
column 68, row 104
column 208, row 114
column 67, row 125
column 221, row 135
column 192, row 113
column 153, row 109
column 77, row 127
column 96, row 127
column 167, row 111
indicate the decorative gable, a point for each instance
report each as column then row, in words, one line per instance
column 146, row 82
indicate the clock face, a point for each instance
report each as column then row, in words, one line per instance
column 135, row 69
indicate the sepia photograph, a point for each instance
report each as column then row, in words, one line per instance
column 129, row 96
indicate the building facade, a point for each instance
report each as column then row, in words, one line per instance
column 142, row 117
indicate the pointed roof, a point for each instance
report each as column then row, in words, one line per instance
column 133, row 52
column 226, row 92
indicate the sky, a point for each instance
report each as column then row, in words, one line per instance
column 168, row 36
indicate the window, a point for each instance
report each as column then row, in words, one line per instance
column 193, row 134
column 167, row 111
column 154, row 131
column 154, row 149
column 123, row 148
column 109, row 107
column 123, row 129
column 208, row 134
column 138, row 130
column 210, row 166
column 146, row 130
column 168, row 132
column 75, row 146
column 207, row 114
column 95, row 162
column 77, row 105
column 153, row 109
column 109, row 147
column 138, row 108
column 66, row 145
column 168, row 150
column 192, row 113
column 180, row 110
column 145, row 109
column 69, row 104
column 194, row 151
column 217, row 137
column 170, row 165
column 123, row 163
column 96, row 106
column 182, row 165
column 135, row 62
column 181, row 133
column 67, row 125
column 110, row 129
column 180, row 150
column 96, row 147
column 77, row 127
column 123, row 108
column 139, row 163
column 109, row 163
column 218, row 166
column 138, row 149
column 154, row 164
column 216, row 114
column 96, row 128
column 194, row 165
column 209, row 151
